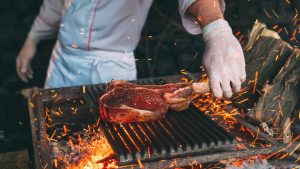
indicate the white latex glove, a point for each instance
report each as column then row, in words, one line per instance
column 23, row 61
column 223, row 59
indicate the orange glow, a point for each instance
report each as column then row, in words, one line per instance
column 140, row 163
column 255, row 82
column 65, row 129
column 83, row 89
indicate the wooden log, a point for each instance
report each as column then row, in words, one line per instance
column 280, row 98
column 265, row 54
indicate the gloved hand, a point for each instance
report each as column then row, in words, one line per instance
column 223, row 59
column 23, row 61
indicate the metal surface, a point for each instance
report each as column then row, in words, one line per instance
column 179, row 134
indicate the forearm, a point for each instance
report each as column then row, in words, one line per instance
column 206, row 11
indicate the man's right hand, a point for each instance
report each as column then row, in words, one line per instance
column 23, row 61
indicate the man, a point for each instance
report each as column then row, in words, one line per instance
column 96, row 40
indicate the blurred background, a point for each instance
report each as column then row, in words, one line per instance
column 165, row 49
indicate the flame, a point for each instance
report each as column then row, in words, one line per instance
column 99, row 155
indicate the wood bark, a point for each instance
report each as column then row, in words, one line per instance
column 265, row 54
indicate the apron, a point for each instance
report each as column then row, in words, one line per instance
column 74, row 67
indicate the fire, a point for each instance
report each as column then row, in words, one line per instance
column 88, row 149
column 94, row 154
column 100, row 155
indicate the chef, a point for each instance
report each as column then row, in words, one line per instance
column 97, row 38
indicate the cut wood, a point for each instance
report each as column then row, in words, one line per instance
column 280, row 97
column 265, row 54
column 273, row 75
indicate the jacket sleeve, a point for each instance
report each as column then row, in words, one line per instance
column 189, row 23
column 47, row 22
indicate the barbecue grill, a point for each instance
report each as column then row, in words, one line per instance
column 179, row 134
column 178, row 140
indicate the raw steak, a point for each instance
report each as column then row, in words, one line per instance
column 126, row 102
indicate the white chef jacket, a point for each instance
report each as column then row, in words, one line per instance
column 96, row 32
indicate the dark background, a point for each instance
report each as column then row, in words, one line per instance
column 165, row 48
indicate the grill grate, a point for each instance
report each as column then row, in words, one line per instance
column 179, row 134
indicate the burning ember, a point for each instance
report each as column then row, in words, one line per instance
column 92, row 151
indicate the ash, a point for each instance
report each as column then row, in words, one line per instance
column 262, row 164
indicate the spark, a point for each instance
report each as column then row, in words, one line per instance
column 140, row 163
column 286, row 31
column 75, row 111
column 275, row 14
column 79, row 139
column 296, row 148
column 71, row 143
column 45, row 166
column 51, row 138
column 267, row 14
column 254, row 141
column 275, row 26
column 200, row 19
column 55, row 163
column 148, row 151
column 65, row 129
column 255, row 82
column 83, row 89
column 242, row 101
column 32, row 105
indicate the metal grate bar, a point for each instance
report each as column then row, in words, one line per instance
column 145, row 138
column 123, row 136
column 137, row 141
column 190, row 141
column 200, row 141
column 157, row 143
column 118, row 140
column 163, row 138
column 115, row 144
column 212, row 131
column 176, row 145
column 204, row 129
column 183, row 143
column 196, row 131
column 218, row 129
